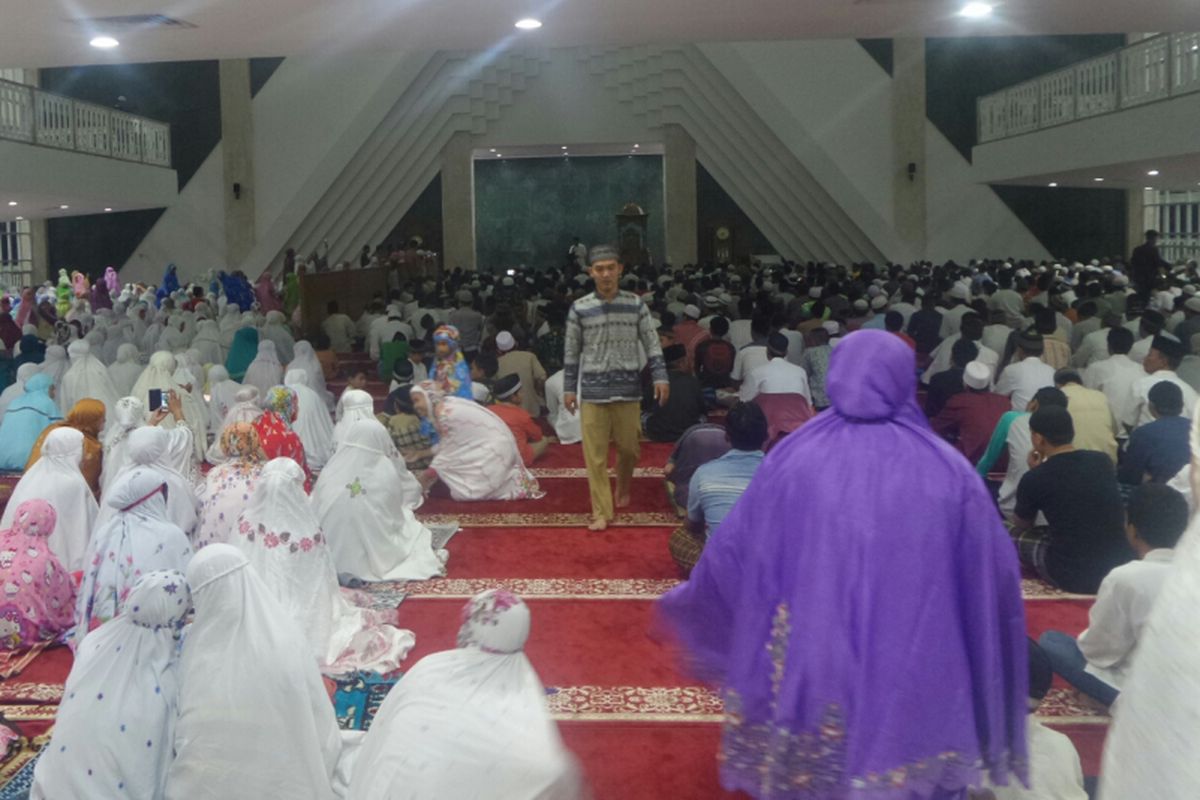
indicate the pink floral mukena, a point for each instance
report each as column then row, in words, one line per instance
column 38, row 598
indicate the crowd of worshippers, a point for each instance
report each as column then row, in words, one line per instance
column 173, row 437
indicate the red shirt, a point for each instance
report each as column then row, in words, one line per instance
column 968, row 419
column 523, row 427
column 908, row 340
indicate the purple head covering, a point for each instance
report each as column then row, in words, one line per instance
column 861, row 605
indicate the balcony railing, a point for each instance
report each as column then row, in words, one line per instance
column 28, row 114
column 1153, row 69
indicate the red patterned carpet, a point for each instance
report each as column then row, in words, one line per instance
column 640, row 727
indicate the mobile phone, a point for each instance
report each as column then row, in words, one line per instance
column 156, row 399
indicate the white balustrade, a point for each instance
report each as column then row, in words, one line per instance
column 1153, row 69
column 28, row 114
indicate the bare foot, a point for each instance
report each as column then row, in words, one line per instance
column 598, row 524
column 622, row 500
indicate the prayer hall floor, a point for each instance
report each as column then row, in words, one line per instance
column 641, row 727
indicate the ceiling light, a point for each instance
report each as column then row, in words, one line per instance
column 637, row 145
column 1052, row 184
column 104, row 42
column 529, row 24
column 1152, row 173
column 12, row 202
column 492, row 150
column 1098, row 180
column 564, row 147
column 1149, row 188
column 20, row 218
column 64, row 208
column 108, row 209
column 498, row 155
column 976, row 10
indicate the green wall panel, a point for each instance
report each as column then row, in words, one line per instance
column 528, row 209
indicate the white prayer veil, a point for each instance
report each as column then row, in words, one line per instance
column 246, row 408
column 265, row 370
column 469, row 722
column 115, row 726
column 128, row 415
column 56, row 478
column 364, row 499
column 17, row 388
column 151, row 446
column 356, row 406
column 86, row 377
column 124, row 373
column 254, row 717
column 138, row 539
column 312, row 424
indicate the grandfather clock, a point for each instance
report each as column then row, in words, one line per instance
column 631, row 234
column 722, row 244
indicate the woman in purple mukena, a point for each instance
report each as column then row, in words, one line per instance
column 861, row 606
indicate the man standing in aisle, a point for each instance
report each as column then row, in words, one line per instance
column 604, row 331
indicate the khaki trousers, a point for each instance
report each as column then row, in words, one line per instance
column 603, row 422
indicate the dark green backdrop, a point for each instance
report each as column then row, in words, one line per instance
column 528, row 209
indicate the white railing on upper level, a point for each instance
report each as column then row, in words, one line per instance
column 27, row 114
column 1153, row 69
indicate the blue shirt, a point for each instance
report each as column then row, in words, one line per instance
column 717, row 485
column 1158, row 449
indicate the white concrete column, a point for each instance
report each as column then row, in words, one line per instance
column 908, row 146
column 40, row 250
column 458, row 203
column 679, row 196
column 237, row 151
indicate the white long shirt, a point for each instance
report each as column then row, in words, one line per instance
column 1054, row 769
column 942, row 359
column 777, row 376
column 748, row 359
column 1116, row 619
column 1137, row 406
column 1115, row 377
column 1021, row 380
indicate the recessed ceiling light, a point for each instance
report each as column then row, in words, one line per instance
column 498, row 155
column 108, row 209
column 12, row 202
column 104, row 42
column 20, row 218
column 1052, row 184
column 529, row 24
column 976, row 10
column 564, row 147
column 1149, row 188
column 64, row 208
column 1152, row 173
column 492, row 150
column 1098, row 180
column 637, row 145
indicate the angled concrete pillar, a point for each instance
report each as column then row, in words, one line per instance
column 679, row 197
column 237, row 151
column 908, row 147
column 458, row 203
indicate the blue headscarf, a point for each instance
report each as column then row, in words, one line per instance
column 33, row 350
column 170, row 285
column 241, row 352
column 237, row 291
column 25, row 420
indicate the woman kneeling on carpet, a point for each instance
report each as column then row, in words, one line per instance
column 280, row 536
column 364, row 500
column 229, row 486
column 140, row 538
column 115, row 726
column 469, row 722
column 39, row 595
column 255, row 720
column 476, row 455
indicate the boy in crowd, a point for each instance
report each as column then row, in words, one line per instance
column 483, row 374
column 1097, row 662
column 531, row 441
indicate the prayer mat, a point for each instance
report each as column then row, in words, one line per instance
column 12, row 662
column 357, row 698
column 443, row 532
column 21, row 780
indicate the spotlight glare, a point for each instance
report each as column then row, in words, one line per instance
column 976, row 10
column 529, row 24
column 104, row 42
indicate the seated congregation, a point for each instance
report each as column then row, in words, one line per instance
column 203, row 531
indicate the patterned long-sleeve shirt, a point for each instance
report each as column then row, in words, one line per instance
column 602, row 345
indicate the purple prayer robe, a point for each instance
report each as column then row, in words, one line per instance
column 861, row 606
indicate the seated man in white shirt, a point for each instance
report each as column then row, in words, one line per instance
column 1098, row 661
column 1161, row 362
column 1116, row 374
column 751, row 356
column 339, row 328
column 1026, row 373
column 778, row 375
column 972, row 330
column 1054, row 769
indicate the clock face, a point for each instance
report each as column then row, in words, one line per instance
column 722, row 233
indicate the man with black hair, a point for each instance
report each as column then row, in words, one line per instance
column 506, row 394
column 685, row 405
column 1145, row 263
column 1026, row 373
column 1158, row 449
column 715, row 486
column 949, row 382
column 925, row 325
column 778, row 375
column 1077, row 492
column 1089, row 322
column 1161, row 362
column 753, row 355
column 1149, row 326
column 1115, row 374
column 1007, row 301
column 971, row 330
column 1095, row 425
column 1098, row 661
column 893, row 323
column 969, row 417
column 715, row 356
column 339, row 328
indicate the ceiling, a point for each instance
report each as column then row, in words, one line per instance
column 43, row 33
column 1177, row 173
column 576, row 150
